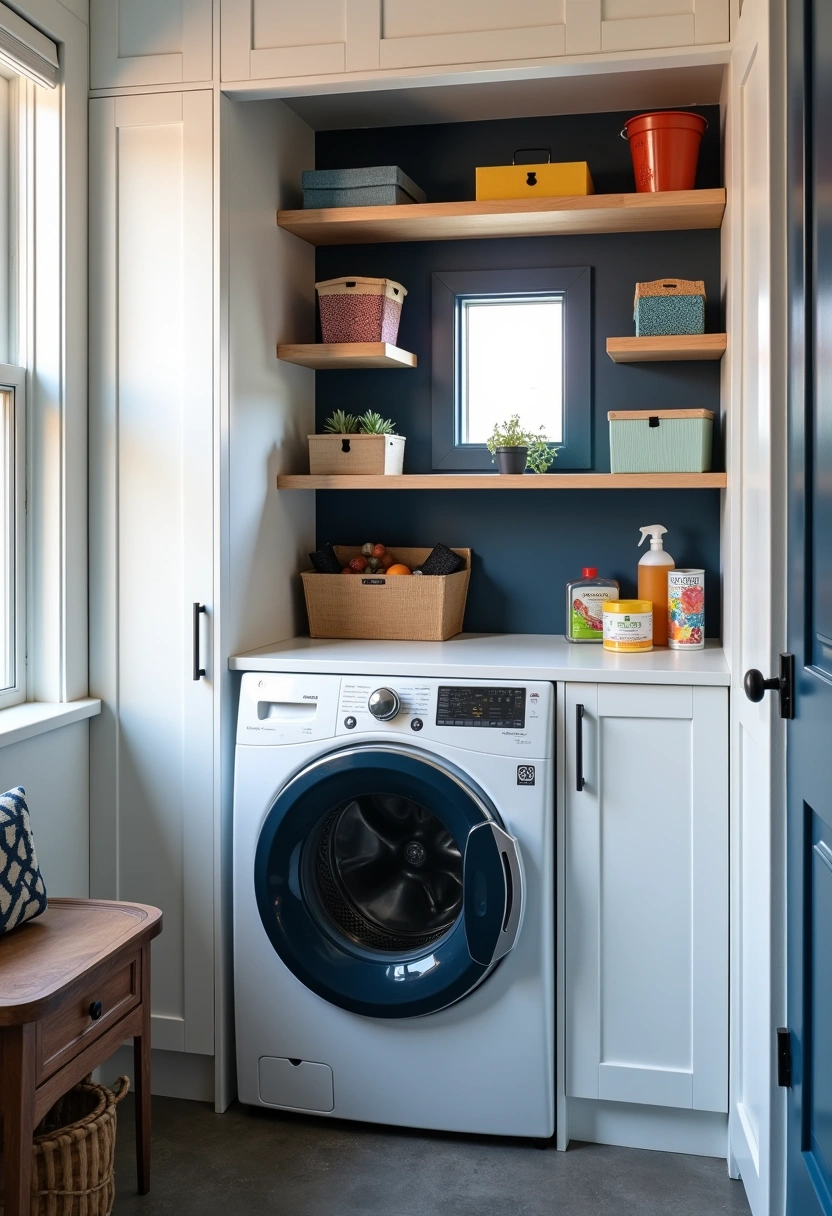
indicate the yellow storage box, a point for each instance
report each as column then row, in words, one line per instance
column 543, row 180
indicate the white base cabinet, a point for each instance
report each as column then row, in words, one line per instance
column 152, row 536
column 646, row 895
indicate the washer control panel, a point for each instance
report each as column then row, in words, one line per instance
column 481, row 707
column 500, row 717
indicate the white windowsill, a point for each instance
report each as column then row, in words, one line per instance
column 32, row 718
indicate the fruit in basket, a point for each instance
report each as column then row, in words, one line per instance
column 367, row 549
column 398, row 568
column 358, row 565
column 378, row 550
column 347, row 570
column 387, row 560
column 373, row 564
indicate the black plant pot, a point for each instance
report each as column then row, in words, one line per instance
column 512, row 460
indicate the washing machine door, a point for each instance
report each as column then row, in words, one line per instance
column 386, row 881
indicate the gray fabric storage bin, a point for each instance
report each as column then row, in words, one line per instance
column 375, row 186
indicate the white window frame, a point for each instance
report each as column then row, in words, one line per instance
column 13, row 381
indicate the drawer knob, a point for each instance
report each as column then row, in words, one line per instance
column 96, row 1010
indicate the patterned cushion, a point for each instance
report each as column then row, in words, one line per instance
column 22, row 893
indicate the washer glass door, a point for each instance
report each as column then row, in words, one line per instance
column 386, row 882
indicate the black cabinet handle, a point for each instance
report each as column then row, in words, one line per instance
column 579, row 748
column 96, row 1010
column 198, row 671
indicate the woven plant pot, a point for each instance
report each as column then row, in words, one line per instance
column 73, row 1152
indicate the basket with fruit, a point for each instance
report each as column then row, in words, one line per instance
column 376, row 602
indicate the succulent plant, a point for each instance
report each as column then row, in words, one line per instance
column 372, row 423
column 341, row 423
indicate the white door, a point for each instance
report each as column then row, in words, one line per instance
column 646, row 875
column 151, row 535
column 753, row 237
column 147, row 42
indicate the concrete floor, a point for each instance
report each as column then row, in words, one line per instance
column 253, row 1162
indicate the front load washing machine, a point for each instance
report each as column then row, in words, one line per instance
column 394, row 900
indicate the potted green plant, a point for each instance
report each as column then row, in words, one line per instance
column 514, row 449
column 354, row 445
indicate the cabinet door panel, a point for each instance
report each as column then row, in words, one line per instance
column 146, row 42
column 277, row 39
column 151, row 550
column 633, row 25
column 646, row 896
column 469, row 31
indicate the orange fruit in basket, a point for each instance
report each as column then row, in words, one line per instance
column 399, row 568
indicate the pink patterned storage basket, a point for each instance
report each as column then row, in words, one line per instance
column 360, row 310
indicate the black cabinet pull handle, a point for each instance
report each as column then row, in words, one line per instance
column 198, row 671
column 579, row 748
column 96, row 1010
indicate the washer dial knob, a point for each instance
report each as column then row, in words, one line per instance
column 384, row 704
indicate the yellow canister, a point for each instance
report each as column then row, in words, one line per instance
column 628, row 625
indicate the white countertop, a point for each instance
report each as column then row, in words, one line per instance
column 499, row 656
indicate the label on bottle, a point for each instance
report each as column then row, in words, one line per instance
column 686, row 609
column 628, row 626
column 586, row 623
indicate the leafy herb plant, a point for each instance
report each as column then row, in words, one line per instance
column 341, row 423
column 369, row 423
column 510, row 434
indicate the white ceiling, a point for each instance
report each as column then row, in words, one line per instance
column 660, row 88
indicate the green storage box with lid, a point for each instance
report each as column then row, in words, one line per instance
column 669, row 306
column 661, row 441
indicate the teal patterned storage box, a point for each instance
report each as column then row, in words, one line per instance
column 669, row 306
column 661, row 441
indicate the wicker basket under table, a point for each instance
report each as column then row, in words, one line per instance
column 73, row 1153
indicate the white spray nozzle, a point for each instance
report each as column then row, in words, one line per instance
column 655, row 532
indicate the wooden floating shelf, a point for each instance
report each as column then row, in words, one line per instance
column 677, row 348
column 593, row 213
column 346, row 354
column 498, row 481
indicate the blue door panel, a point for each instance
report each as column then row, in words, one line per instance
column 809, row 581
column 820, row 1064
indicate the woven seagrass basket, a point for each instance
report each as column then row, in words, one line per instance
column 73, row 1151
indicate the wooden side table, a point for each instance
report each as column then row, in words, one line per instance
column 74, row 984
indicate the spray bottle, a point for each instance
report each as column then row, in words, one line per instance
column 653, row 570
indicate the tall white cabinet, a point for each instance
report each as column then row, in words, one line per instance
column 152, row 536
column 645, row 855
column 150, row 42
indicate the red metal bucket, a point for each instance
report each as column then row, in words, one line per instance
column 665, row 149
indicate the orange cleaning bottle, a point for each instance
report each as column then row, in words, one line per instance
column 653, row 570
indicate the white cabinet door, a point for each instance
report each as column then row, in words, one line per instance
column 477, row 31
column 275, row 39
column 146, row 42
column 646, row 864
column 640, row 25
column 151, row 535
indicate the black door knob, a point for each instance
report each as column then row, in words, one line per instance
column 96, row 1010
column 756, row 686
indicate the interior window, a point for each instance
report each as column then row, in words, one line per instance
column 511, row 342
column 511, row 349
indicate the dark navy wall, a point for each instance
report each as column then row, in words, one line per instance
column 526, row 544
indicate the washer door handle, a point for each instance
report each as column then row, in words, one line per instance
column 492, row 882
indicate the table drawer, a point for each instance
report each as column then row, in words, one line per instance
column 62, row 1034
